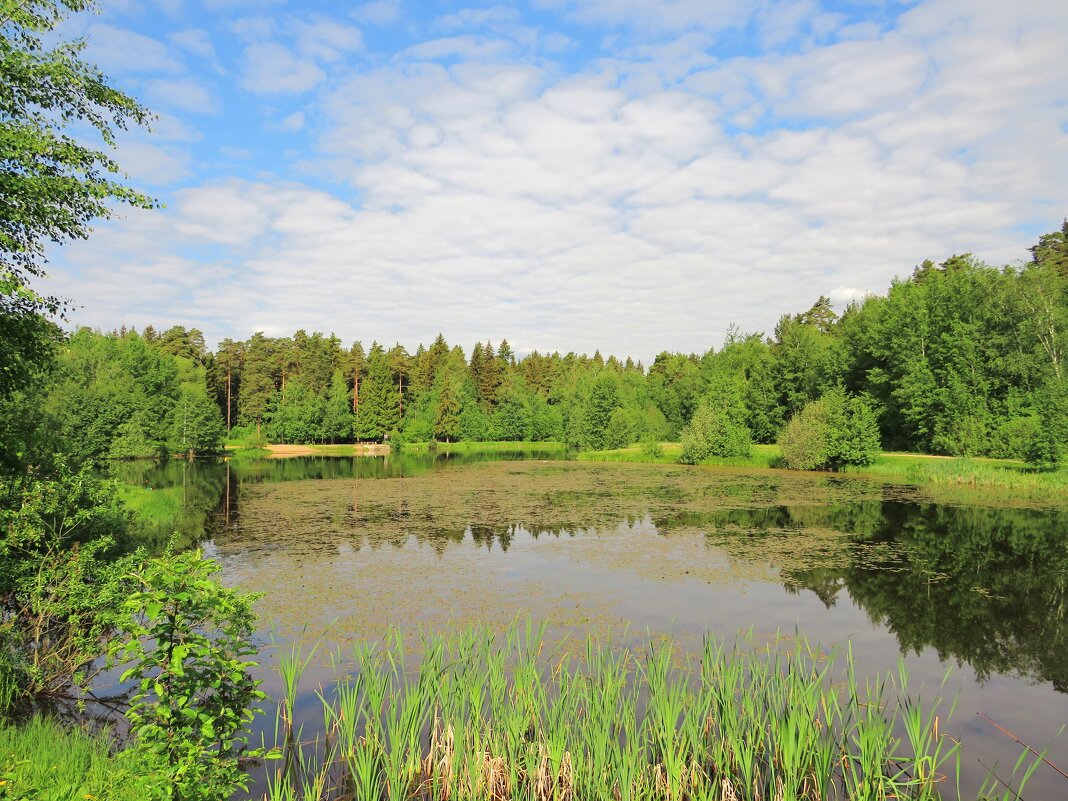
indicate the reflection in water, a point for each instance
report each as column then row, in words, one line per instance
column 983, row 585
column 668, row 549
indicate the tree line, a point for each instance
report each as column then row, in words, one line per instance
column 959, row 358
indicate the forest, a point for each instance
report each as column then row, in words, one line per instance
column 960, row 358
column 128, row 667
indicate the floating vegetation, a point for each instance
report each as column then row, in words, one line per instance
column 500, row 715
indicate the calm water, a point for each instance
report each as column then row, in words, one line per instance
column 345, row 548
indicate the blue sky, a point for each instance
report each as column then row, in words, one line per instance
column 570, row 174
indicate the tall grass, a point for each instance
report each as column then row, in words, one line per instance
column 42, row 760
column 498, row 715
column 996, row 474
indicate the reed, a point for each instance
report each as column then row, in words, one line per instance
column 502, row 716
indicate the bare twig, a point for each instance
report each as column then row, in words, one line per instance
column 1008, row 733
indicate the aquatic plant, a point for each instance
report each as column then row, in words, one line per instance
column 501, row 715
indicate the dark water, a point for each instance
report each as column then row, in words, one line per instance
column 345, row 548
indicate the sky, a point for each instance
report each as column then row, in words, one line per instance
column 624, row 175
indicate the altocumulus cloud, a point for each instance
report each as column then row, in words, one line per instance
column 629, row 176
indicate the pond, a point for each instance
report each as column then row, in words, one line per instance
column 344, row 548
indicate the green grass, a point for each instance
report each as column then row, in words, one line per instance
column 766, row 456
column 1003, row 475
column 500, row 715
column 484, row 447
column 41, row 760
column 635, row 453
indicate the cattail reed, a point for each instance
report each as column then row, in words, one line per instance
column 501, row 716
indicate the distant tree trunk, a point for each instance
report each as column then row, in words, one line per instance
column 356, row 403
column 229, row 404
column 400, row 395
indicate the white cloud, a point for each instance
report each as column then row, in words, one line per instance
column 184, row 94
column 656, row 15
column 381, row 12
column 618, row 208
column 154, row 164
column 271, row 68
column 325, row 39
column 198, row 42
column 467, row 48
column 293, row 122
column 226, row 5
column 120, row 50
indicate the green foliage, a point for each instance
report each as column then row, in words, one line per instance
column 196, row 423
column 337, row 417
column 830, row 433
column 651, row 448
column 718, row 426
column 379, row 405
column 29, row 340
column 56, row 764
column 952, row 360
column 62, row 579
column 296, row 415
column 246, row 437
column 52, row 183
column 1048, row 445
column 447, row 413
column 510, row 420
column 714, row 432
column 133, row 441
column 590, row 422
column 501, row 714
column 190, row 639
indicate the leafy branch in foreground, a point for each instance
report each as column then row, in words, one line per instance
column 51, row 184
column 189, row 648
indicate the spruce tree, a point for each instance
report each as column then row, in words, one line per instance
column 379, row 414
column 338, row 420
column 447, row 415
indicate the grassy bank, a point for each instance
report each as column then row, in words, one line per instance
column 1004, row 475
column 765, row 456
column 502, row 716
column 485, row 447
column 42, row 760
column 994, row 474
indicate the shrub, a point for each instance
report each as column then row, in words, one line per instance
column 190, row 639
column 63, row 581
column 246, row 437
column 1047, row 447
column 714, row 432
column 830, row 433
column 651, row 447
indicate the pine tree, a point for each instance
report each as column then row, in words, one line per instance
column 356, row 368
column 257, row 379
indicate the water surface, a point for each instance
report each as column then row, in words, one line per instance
column 344, row 548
